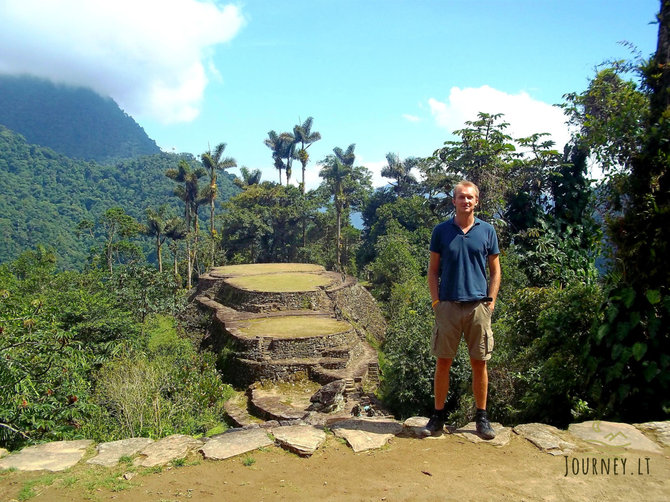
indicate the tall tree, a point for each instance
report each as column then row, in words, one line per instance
column 192, row 197
column 346, row 183
column 213, row 162
column 248, row 178
column 175, row 230
column 483, row 155
column 305, row 137
column 630, row 362
column 155, row 227
column 400, row 171
column 283, row 148
column 118, row 227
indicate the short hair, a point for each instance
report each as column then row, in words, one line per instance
column 466, row 183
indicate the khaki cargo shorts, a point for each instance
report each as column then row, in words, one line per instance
column 470, row 319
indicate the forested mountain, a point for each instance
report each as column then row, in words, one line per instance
column 74, row 121
column 45, row 195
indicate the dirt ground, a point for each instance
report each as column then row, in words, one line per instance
column 444, row 468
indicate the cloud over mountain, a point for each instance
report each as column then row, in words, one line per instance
column 152, row 56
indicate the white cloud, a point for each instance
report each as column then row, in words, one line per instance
column 410, row 118
column 151, row 56
column 524, row 114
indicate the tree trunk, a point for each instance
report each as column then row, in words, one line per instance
column 158, row 253
column 338, row 210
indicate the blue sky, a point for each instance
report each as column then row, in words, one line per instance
column 391, row 76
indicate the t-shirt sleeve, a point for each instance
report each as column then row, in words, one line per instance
column 493, row 243
column 435, row 241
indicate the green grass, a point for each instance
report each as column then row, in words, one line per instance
column 293, row 327
column 288, row 282
column 30, row 488
column 248, row 461
column 266, row 268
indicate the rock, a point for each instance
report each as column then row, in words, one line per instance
column 270, row 406
column 613, row 436
column 237, row 414
column 546, row 437
column 367, row 433
column 414, row 425
column 660, row 431
column 469, row 432
column 128, row 476
column 3, row 452
column 329, row 398
column 56, row 456
column 301, row 439
column 109, row 454
column 166, row 450
column 235, row 442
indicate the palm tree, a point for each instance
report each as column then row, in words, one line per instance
column 400, row 171
column 305, row 137
column 274, row 143
column 192, row 197
column 155, row 227
column 214, row 161
column 283, row 147
column 248, row 178
column 335, row 172
column 288, row 142
column 175, row 230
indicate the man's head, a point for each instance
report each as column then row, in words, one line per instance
column 466, row 197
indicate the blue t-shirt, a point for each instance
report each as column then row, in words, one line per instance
column 463, row 259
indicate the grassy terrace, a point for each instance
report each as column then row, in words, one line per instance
column 293, row 327
column 288, row 282
column 266, row 268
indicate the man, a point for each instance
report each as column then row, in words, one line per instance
column 460, row 250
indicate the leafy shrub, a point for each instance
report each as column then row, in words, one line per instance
column 542, row 342
column 629, row 363
column 407, row 366
column 170, row 388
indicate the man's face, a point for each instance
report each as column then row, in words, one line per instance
column 465, row 199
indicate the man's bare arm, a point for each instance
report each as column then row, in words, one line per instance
column 494, row 278
column 434, row 275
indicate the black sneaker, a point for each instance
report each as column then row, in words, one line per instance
column 434, row 425
column 484, row 428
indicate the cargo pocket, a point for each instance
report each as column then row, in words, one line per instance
column 489, row 342
column 433, row 340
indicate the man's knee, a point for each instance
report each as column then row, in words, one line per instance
column 477, row 365
column 443, row 364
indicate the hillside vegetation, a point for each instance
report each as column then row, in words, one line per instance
column 46, row 195
column 73, row 121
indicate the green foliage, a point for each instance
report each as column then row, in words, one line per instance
column 169, row 388
column 263, row 223
column 540, row 368
column 629, row 362
column 73, row 121
column 47, row 195
column 395, row 263
column 407, row 366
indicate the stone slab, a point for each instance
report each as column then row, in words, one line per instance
column 167, row 449
column 546, row 437
column 414, row 425
column 56, row 456
column 469, row 432
column 301, row 439
column 367, row 433
column 660, row 431
column 613, row 436
column 110, row 453
column 235, row 442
